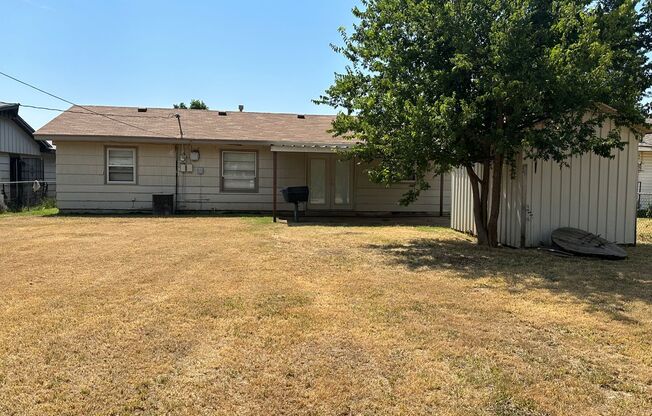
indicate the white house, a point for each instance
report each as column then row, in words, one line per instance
column 114, row 159
column 645, row 172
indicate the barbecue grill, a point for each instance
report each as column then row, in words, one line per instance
column 294, row 195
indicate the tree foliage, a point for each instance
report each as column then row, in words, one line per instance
column 439, row 84
column 194, row 105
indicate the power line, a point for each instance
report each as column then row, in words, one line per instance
column 87, row 113
column 80, row 106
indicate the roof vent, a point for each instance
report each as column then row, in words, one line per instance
column 241, row 108
column 142, row 109
column 221, row 113
column 301, row 116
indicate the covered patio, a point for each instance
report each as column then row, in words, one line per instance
column 340, row 187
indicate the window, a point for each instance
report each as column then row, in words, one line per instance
column 239, row 171
column 120, row 165
column 411, row 178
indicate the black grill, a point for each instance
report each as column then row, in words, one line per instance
column 294, row 195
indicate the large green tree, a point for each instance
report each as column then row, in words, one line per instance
column 437, row 84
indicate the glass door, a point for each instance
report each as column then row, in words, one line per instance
column 342, row 184
column 317, row 182
column 331, row 182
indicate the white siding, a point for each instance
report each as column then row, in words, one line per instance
column 645, row 178
column 15, row 140
column 81, row 187
column 370, row 196
column 591, row 193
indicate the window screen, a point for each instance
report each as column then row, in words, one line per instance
column 239, row 171
column 121, row 165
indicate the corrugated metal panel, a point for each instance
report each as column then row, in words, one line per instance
column 509, row 219
column 14, row 140
column 592, row 193
column 462, row 202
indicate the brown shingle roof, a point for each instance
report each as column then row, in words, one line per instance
column 158, row 123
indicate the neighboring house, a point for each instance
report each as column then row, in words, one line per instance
column 645, row 172
column 215, row 161
column 592, row 193
column 22, row 158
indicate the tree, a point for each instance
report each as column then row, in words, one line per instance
column 434, row 85
column 194, row 105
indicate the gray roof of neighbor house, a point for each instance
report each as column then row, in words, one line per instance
column 134, row 124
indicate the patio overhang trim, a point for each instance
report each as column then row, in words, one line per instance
column 309, row 148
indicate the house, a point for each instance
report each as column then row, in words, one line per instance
column 113, row 159
column 23, row 159
column 592, row 193
column 645, row 172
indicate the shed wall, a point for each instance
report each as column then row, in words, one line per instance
column 510, row 217
column 592, row 193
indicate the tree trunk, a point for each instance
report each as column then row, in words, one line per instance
column 479, row 205
column 486, row 200
column 496, row 188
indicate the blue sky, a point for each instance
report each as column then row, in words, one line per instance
column 267, row 55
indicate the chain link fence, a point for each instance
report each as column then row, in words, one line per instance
column 19, row 195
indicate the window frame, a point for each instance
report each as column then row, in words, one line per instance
column 256, row 175
column 134, row 152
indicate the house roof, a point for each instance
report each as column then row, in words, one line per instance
column 11, row 110
column 161, row 123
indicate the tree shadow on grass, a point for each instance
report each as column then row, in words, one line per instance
column 602, row 285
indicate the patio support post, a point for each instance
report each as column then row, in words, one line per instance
column 274, row 191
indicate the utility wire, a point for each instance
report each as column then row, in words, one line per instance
column 85, row 108
column 87, row 113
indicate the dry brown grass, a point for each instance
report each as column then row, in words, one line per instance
column 128, row 315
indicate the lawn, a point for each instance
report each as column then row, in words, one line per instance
column 210, row 315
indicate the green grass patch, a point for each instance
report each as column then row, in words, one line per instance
column 33, row 212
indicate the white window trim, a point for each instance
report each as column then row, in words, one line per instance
column 255, row 178
column 133, row 152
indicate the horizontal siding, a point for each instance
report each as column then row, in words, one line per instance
column 370, row 196
column 645, row 177
column 80, row 175
column 13, row 139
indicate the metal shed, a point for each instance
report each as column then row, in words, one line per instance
column 592, row 193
